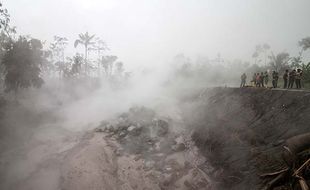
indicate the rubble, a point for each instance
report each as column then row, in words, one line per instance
column 142, row 133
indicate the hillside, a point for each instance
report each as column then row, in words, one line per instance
column 242, row 131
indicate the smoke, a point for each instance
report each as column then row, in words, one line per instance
column 44, row 123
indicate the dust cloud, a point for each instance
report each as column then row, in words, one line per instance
column 72, row 131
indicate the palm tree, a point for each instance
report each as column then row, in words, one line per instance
column 86, row 40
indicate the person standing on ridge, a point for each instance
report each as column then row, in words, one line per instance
column 254, row 80
column 298, row 78
column 243, row 80
column 262, row 79
column 275, row 78
column 266, row 77
column 257, row 80
column 291, row 79
column 285, row 78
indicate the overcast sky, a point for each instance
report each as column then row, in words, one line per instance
column 148, row 32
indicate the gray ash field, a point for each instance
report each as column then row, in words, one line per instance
column 219, row 138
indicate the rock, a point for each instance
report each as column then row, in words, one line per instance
column 118, row 152
column 168, row 180
column 137, row 157
column 131, row 128
column 161, row 127
column 174, row 165
column 99, row 130
column 168, row 169
column 158, row 157
column 134, row 130
column 110, row 128
column 157, row 146
column 148, row 165
column 179, row 147
column 187, row 165
column 122, row 134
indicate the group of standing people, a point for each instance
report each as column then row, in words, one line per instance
column 262, row 79
column 291, row 77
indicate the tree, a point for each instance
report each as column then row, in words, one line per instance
column 305, row 43
column 306, row 72
column 76, row 66
column 86, row 40
column 107, row 63
column 266, row 48
column 6, row 32
column 296, row 62
column 58, row 52
column 22, row 61
column 261, row 49
column 5, row 22
column 119, row 67
column 255, row 56
column 99, row 46
column 279, row 62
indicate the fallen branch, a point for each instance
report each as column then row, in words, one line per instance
column 270, row 184
column 301, row 168
column 274, row 173
column 302, row 183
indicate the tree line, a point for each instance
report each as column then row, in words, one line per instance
column 25, row 60
column 283, row 61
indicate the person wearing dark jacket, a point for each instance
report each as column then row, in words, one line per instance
column 266, row 78
column 291, row 79
column 285, row 78
column 298, row 78
column 262, row 79
column 275, row 78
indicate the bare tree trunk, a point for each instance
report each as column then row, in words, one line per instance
column 99, row 63
column 86, row 65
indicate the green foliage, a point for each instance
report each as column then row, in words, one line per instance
column 306, row 72
column 22, row 60
column 84, row 39
column 77, row 63
column 5, row 22
column 107, row 63
column 5, row 36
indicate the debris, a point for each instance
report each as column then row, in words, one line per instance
column 270, row 184
column 131, row 128
column 162, row 127
column 274, row 173
column 297, row 172
column 179, row 147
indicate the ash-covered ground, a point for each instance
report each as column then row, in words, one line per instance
column 217, row 138
column 136, row 150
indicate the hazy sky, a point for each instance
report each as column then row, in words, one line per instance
column 153, row 31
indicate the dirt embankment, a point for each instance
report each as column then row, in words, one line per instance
column 242, row 132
